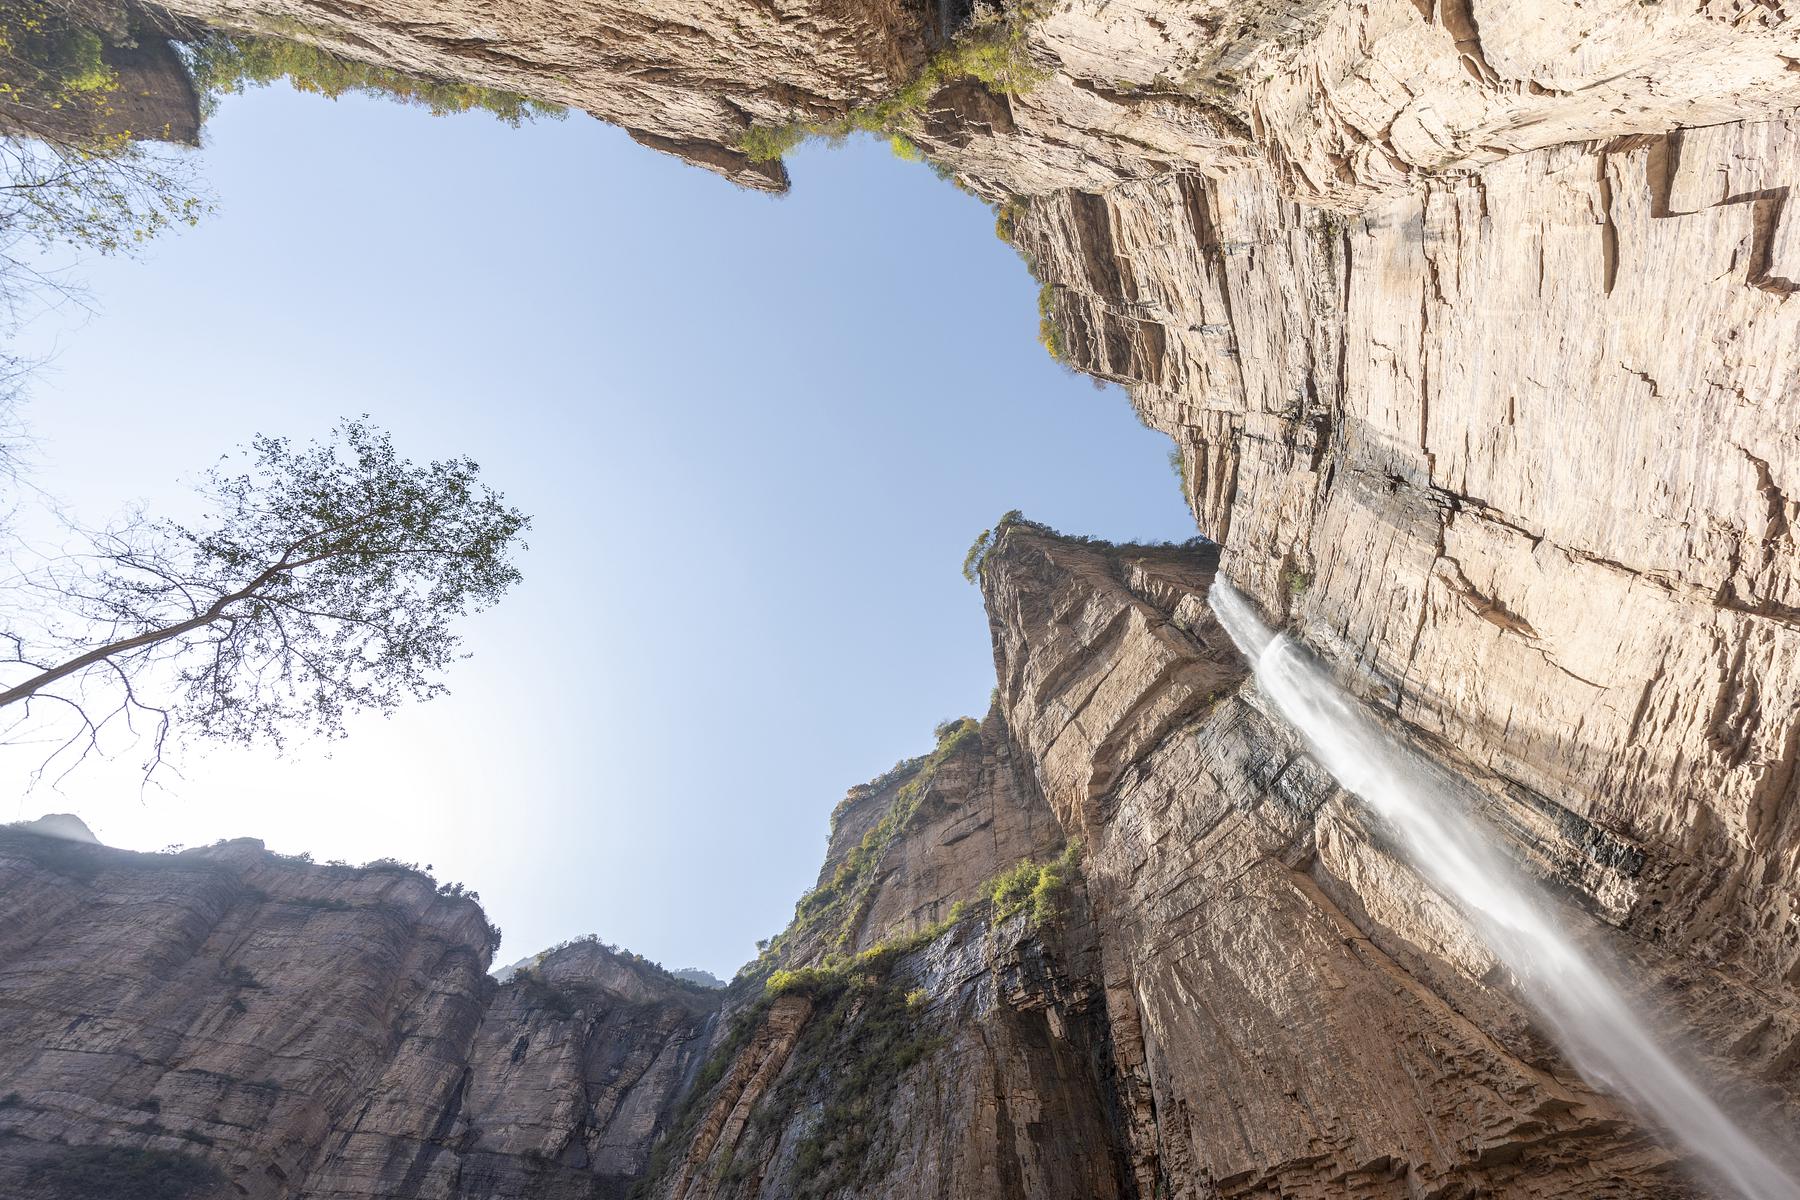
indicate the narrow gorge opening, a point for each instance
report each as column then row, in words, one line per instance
column 1448, row 330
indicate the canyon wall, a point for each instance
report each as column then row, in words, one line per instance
column 1470, row 323
column 1121, row 937
column 1243, row 991
column 314, row 1031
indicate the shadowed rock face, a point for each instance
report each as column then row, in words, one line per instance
column 1239, row 991
column 1473, row 324
column 317, row 1031
column 1245, row 994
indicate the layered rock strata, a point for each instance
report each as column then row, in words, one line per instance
column 1267, row 1000
column 1295, row 1011
column 1121, row 938
column 1473, row 327
column 316, row 1031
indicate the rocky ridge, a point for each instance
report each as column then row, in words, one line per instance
column 317, row 1031
column 1122, row 937
column 1246, row 993
column 1400, row 279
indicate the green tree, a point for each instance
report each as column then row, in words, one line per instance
column 227, row 64
column 325, row 581
column 68, row 172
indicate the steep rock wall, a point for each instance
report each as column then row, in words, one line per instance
column 1454, row 441
column 318, row 1032
column 939, row 1051
column 1472, row 324
column 1245, row 993
column 686, row 77
column 1295, row 1012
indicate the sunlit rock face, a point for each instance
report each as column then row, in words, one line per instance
column 1518, row 452
column 687, row 77
column 1474, row 327
column 1293, row 1010
column 1341, row 104
column 317, row 1031
column 1246, row 993
column 1238, row 990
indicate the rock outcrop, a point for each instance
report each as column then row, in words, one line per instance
column 684, row 78
column 316, row 1031
column 1121, row 938
column 1295, row 1012
column 1473, row 326
column 1245, row 993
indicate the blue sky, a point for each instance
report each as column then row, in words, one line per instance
column 756, row 436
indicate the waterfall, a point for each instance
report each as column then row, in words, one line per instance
column 1605, row 1038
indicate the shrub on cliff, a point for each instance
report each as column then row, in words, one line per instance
column 70, row 173
column 1037, row 888
column 228, row 64
column 977, row 551
column 992, row 51
column 1050, row 334
column 121, row 1173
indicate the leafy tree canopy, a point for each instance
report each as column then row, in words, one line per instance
column 225, row 64
column 326, row 580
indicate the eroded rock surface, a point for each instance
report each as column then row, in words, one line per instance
column 1294, row 1010
column 1474, row 326
column 318, row 1031
column 1245, row 993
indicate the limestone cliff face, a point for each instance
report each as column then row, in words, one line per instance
column 1294, row 1011
column 1474, row 326
column 687, row 77
column 1120, row 938
column 942, row 1052
column 316, row 1031
column 1243, row 993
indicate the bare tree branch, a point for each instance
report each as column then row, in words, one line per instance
column 325, row 582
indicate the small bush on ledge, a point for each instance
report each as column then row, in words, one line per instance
column 839, row 972
column 122, row 1173
column 1039, row 888
column 993, row 52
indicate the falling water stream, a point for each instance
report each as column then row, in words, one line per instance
column 1606, row 1039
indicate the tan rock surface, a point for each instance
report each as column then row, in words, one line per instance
column 1473, row 324
column 1310, row 1017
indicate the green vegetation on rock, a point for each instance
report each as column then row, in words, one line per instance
column 1038, row 888
column 977, row 551
column 840, row 971
column 865, row 1032
column 1178, row 464
column 121, row 1173
column 838, row 906
column 851, row 1057
column 993, row 52
column 49, row 61
column 73, row 174
column 1050, row 334
column 228, row 64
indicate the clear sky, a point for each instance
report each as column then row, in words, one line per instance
column 756, row 436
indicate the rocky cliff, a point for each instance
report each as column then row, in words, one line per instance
column 1123, row 937
column 1470, row 323
column 1241, row 991
column 318, row 1031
